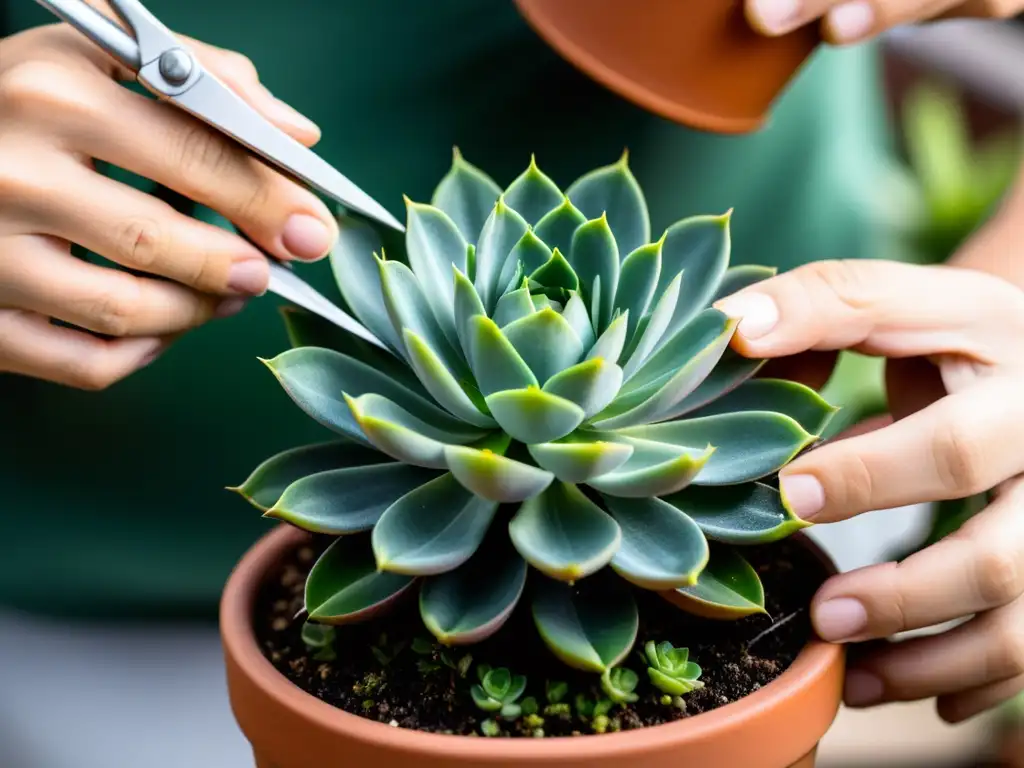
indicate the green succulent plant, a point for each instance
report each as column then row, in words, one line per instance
column 553, row 389
column 620, row 683
column 671, row 670
column 498, row 691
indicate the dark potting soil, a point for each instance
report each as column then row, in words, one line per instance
column 377, row 674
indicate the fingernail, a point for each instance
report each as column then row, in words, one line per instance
column 758, row 313
column 249, row 277
column 306, row 237
column 775, row 16
column 862, row 689
column 851, row 21
column 229, row 307
column 840, row 619
column 803, row 495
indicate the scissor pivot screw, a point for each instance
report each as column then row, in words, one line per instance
column 175, row 66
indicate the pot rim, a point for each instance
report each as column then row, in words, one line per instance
column 237, row 603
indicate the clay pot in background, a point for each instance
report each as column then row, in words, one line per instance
column 775, row 727
column 696, row 62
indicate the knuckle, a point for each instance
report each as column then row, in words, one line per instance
column 112, row 312
column 140, row 243
column 202, row 153
column 240, row 65
column 256, row 201
column 959, row 457
column 997, row 575
column 846, row 281
column 1008, row 651
column 36, row 86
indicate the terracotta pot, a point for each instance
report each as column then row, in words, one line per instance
column 778, row 726
column 697, row 62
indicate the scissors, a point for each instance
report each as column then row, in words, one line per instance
column 168, row 69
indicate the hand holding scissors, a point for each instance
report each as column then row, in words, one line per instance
column 61, row 109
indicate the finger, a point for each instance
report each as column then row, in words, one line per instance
column 957, row 447
column 138, row 231
column 32, row 346
column 988, row 649
column 879, row 308
column 40, row 275
column 843, row 21
column 963, row 705
column 99, row 119
column 59, row 43
column 976, row 569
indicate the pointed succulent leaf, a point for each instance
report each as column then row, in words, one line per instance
column 496, row 363
column 614, row 190
column 749, row 513
column 502, row 230
column 305, row 329
column 575, row 313
column 546, row 342
column 269, row 480
column 316, row 379
column 699, row 245
column 732, row 370
column 347, row 500
column 578, row 460
column 564, row 534
column 592, row 384
column 748, row 446
column 358, row 278
column 540, row 301
column 556, row 272
column 432, row 529
column 345, row 587
column 662, row 548
column 409, row 308
column 516, row 281
column 610, row 343
column 471, row 603
column 399, row 434
column 530, row 251
column 799, row 402
column 467, row 195
column 700, row 344
column 653, row 469
column 737, row 278
column 435, row 244
column 594, row 256
column 513, row 306
column 482, row 699
column 532, row 415
column 590, row 627
column 651, row 328
column 557, row 228
column 438, row 380
column 638, row 279
column 727, row 588
column 496, row 477
column 467, row 306
column 533, row 193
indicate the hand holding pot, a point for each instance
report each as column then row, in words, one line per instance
column 61, row 109
column 851, row 21
column 955, row 342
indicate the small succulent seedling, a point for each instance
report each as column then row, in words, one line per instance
column 319, row 638
column 620, row 684
column 671, row 670
column 541, row 352
column 490, row 728
column 498, row 691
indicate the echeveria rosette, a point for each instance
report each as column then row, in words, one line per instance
column 558, row 397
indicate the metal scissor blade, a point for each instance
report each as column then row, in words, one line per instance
column 212, row 101
column 288, row 285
